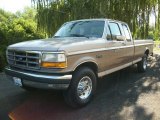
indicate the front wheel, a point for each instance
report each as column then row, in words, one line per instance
column 142, row 65
column 82, row 88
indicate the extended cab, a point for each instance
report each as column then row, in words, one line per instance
column 75, row 57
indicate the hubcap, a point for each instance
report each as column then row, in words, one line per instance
column 145, row 63
column 84, row 87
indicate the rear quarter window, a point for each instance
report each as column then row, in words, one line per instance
column 115, row 30
column 126, row 32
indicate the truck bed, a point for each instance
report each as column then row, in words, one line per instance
column 141, row 46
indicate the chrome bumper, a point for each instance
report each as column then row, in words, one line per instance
column 37, row 80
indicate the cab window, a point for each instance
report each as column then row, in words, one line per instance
column 126, row 32
column 115, row 30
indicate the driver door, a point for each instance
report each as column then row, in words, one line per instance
column 115, row 49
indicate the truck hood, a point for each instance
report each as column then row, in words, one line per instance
column 55, row 44
column 51, row 44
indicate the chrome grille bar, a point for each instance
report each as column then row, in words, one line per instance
column 26, row 59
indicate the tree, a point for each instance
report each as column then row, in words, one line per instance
column 51, row 14
column 15, row 28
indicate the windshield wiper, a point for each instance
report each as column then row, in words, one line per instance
column 72, row 35
column 79, row 35
column 56, row 36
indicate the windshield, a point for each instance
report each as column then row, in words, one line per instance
column 81, row 29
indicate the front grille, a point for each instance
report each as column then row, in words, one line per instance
column 27, row 59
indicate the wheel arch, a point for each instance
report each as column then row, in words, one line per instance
column 91, row 64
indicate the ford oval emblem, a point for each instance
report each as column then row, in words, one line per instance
column 20, row 59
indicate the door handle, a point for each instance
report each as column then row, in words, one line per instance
column 123, row 43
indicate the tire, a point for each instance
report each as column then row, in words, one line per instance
column 82, row 88
column 142, row 65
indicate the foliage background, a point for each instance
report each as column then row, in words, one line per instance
column 49, row 15
column 16, row 28
column 52, row 13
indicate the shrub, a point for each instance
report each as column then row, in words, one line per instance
column 14, row 29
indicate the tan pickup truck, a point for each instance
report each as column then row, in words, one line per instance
column 78, row 54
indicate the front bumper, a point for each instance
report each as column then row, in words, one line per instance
column 37, row 80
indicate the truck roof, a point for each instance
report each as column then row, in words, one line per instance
column 103, row 19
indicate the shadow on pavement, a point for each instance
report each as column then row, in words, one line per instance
column 116, row 99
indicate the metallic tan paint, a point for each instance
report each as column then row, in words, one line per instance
column 108, row 56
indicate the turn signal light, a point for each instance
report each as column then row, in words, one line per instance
column 54, row 64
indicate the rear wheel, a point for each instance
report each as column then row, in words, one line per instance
column 142, row 65
column 82, row 88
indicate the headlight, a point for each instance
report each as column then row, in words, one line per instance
column 54, row 60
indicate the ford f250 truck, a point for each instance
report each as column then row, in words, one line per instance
column 75, row 57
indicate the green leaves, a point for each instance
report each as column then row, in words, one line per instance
column 51, row 14
column 16, row 28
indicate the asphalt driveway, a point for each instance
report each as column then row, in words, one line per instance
column 124, row 95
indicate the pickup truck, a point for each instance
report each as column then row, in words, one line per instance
column 77, row 55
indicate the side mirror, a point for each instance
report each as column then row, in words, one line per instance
column 120, row 38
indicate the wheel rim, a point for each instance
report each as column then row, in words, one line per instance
column 145, row 63
column 84, row 87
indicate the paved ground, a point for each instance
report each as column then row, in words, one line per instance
column 124, row 95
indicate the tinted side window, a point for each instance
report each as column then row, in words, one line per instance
column 114, row 27
column 126, row 31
